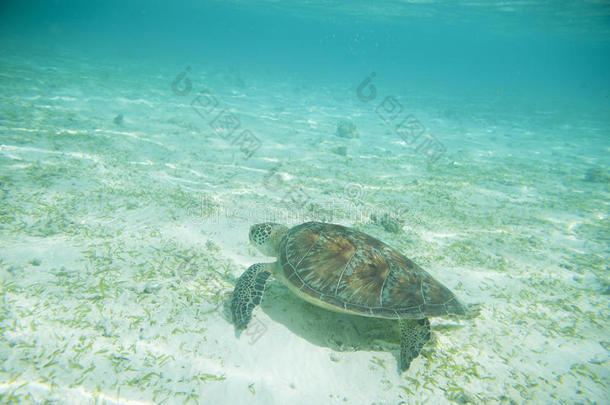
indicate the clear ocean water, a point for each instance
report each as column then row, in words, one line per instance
column 140, row 140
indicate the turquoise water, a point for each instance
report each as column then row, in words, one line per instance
column 140, row 141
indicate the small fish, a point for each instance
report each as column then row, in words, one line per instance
column 118, row 120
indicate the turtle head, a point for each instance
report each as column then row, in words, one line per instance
column 267, row 237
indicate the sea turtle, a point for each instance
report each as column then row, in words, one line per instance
column 345, row 270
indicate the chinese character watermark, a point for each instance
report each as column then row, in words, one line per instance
column 222, row 121
column 406, row 126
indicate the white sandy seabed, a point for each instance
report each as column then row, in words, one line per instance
column 124, row 222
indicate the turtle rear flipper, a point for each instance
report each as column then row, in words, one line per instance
column 414, row 333
column 248, row 293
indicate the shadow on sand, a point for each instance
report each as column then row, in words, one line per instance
column 324, row 328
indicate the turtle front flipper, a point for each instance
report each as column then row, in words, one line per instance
column 248, row 293
column 414, row 333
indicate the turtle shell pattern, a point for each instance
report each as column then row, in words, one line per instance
column 357, row 273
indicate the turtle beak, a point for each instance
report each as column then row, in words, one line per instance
column 250, row 234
